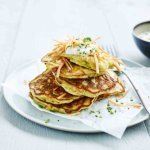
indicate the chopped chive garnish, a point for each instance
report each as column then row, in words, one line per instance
column 91, row 112
column 117, row 73
column 47, row 121
column 110, row 109
column 40, row 106
column 69, row 46
column 87, row 39
column 98, row 111
column 111, row 113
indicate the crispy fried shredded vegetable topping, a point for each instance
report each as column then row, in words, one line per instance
column 124, row 105
column 59, row 68
column 96, row 63
column 95, row 99
column 61, row 96
column 117, row 67
column 98, row 53
column 55, row 79
column 68, row 64
column 55, row 89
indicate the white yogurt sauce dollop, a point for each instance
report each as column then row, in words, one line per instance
column 145, row 36
column 81, row 49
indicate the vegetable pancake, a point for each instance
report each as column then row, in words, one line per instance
column 45, row 88
column 75, row 72
column 71, row 108
column 91, row 87
column 78, row 72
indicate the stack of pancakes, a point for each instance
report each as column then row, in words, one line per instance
column 73, row 82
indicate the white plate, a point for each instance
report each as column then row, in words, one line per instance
column 24, row 108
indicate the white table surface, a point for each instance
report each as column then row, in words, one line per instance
column 27, row 29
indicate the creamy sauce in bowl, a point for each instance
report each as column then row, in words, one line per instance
column 145, row 36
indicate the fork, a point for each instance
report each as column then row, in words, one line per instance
column 112, row 50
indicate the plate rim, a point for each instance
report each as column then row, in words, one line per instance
column 55, row 126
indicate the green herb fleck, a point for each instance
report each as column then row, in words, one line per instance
column 131, row 100
column 84, row 52
column 91, row 112
column 111, row 113
column 41, row 106
column 110, row 109
column 87, row 39
column 98, row 112
column 79, row 46
column 117, row 73
column 69, row 46
column 47, row 121
column 96, row 116
column 58, row 120
column 93, row 49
